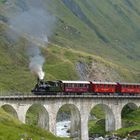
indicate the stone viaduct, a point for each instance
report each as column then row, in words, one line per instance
column 80, row 107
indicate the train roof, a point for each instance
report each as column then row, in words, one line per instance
column 129, row 83
column 106, row 83
column 75, row 82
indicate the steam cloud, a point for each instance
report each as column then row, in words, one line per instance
column 36, row 62
column 36, row 23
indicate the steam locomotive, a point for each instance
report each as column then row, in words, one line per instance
column 62, row 87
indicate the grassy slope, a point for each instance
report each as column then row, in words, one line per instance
column 111, row 19
column 108, row 33
column 13, row 129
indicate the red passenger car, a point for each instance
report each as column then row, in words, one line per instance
column 104, row 87
column 128, row 88
column 75, row 86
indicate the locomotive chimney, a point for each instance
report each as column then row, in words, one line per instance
column 38, row 80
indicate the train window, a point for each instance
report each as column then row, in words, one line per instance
column 69, row 85
column 81, row 85
column 66, row 85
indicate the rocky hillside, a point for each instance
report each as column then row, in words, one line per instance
column 89, row 40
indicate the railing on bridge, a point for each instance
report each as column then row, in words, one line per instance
column 22, row 96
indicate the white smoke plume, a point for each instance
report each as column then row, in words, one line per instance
column 36, row 23
column 36, row 62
